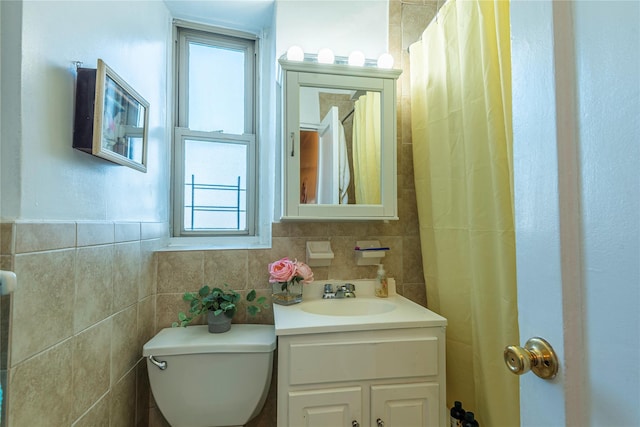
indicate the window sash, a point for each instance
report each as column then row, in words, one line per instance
column 249, row 45
column 181, row 136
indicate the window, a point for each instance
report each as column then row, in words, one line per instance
column 215, row 146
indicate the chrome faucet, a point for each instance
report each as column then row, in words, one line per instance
column 328, row 292
column 346, row 291
column 343, row 291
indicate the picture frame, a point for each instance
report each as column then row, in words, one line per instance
column 111, row 118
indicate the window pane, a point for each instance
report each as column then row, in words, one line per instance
column 216, row 89
column 215, row 196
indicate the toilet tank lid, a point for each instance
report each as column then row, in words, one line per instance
column 197, row 339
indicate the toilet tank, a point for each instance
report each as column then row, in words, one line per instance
column 211, row 379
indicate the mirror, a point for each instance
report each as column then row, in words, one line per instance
column 339, row 146
column 340, row 150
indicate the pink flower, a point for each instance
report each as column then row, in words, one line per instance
column 282, row 270
column 304, row 272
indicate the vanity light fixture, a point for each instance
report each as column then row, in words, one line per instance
column 295, row 53
column 385, row 61
column 325, row 56
column 356, row 58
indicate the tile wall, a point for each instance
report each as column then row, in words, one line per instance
column 85, row 307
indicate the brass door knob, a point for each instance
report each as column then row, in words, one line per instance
column 537, row 356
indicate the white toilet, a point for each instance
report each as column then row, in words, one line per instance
column 199, row 379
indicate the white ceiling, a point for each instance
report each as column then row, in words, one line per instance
column 247, row 15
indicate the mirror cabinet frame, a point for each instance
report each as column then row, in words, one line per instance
column 295, row 75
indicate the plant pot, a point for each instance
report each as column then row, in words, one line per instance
column 291, row 294
column 218, row 324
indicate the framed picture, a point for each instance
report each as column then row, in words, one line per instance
column 111, row 118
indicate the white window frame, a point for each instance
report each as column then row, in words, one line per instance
column 182, row 134
column 183, row 34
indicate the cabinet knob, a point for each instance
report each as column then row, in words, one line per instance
column 354, row 423
column 380, row 423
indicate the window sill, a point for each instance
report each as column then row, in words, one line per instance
column 215, row 243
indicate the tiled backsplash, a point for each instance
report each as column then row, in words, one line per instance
column 181, row 271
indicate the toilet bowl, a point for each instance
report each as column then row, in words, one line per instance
column 199, row 379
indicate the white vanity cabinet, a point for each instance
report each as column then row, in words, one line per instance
column 389, row 377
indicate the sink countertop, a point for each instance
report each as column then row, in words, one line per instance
column 293, row 320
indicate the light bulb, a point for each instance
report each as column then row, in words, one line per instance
column 356, row 58
column 325, row 56
column 385, row 61
column 295, row 53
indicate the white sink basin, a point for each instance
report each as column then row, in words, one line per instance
column 348, row 307
column 315, row 315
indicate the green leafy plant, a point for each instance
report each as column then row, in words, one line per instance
column 220, row 301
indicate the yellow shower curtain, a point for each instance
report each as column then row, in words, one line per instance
column 366, row 148
column 462, row 141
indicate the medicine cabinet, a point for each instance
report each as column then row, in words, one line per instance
column 338, row 142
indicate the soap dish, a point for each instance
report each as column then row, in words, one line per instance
column 319, row 254
column 369, row 252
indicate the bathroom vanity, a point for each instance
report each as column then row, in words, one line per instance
column 361, row 361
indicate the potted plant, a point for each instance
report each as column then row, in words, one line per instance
column 219, row 304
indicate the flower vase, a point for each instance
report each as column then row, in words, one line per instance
column 218, row 323
column 287, row 294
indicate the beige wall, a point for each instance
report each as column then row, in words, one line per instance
column 85, row 307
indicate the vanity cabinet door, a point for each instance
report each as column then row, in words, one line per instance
column 415, row 405
column 332, row 407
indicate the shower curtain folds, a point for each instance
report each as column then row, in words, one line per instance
column 367, row 149
column 462, row 139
